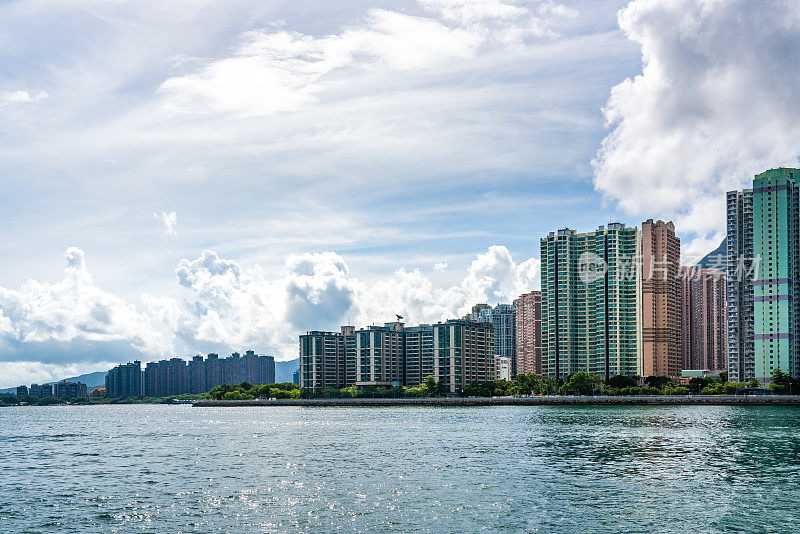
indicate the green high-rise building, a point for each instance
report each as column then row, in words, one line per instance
column 590, row 313
column 763, row 272
column 775, row 241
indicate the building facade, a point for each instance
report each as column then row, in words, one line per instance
column 502, row 318
column 739, row 291
column 70, row 390
column 419, row 354
column 125, row 380
column 661, row 312
column 502, row 368
column 379, row 355
column 455, row 353
column 591, row 299
column 704, row 326
column 176, row 376
column 763, row 273
column 322, row 359
column 528, row 317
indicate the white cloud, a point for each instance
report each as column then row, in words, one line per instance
column 8, row 98
column 170, row 221
column 440, row 265
column 715, row 104
column 273, row 71
column 492, row 277
column 66, row 310
column 32, row 372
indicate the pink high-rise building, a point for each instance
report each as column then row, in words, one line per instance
column 703, row 319
column 529, row 332
column 661, row 338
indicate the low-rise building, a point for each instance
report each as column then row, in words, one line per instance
column 502, row 368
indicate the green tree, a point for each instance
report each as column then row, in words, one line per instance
column 622, row 381
column 431, row 386
column 779, row 381
column 657, row 381
column 581, row 383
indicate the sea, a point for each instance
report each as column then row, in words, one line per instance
column 162, row 468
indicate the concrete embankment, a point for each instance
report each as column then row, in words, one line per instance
column 722, row 400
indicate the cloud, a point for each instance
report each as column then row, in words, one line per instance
column 276, row 71
column 8, row 98
column 17, row 373
column 69, row 309
column 492, row 277
column 440, row 265
column 230, row 307
column 715, row 104
column 170, row 221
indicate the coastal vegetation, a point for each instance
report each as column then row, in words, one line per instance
column 577, row 384
column 247, row 391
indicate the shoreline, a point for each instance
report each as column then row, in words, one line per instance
column 719, row 400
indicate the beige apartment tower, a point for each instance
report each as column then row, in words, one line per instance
column 661, row 314
column 529, row 332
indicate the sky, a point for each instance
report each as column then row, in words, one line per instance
column 188, row 177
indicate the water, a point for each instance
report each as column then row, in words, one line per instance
column 497, row 469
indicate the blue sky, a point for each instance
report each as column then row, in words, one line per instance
column 180, row 177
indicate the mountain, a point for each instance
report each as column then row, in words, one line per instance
column 715, row 259
column 285, row 370
column 92, row 380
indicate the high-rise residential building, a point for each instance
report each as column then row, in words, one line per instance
column 455, row 353
column 704, row 326
column 322, row 359
column 463, row 353
column 150, row 381
column 47, row 390
column 125, row 380
column 474, row 314
column 528, row 316
column 741, row 360
column 232, row 369
column 178, row 381
column 35, row 390
column 197, row 375
column 379, row 352
column 591, row 299
column 661, row 312
column 502, row 318
column 763, row 274
column 70, row 390
column 266, row 370
column 213, row 371
column 419, row 361
column 22, row 391
column 175, row 377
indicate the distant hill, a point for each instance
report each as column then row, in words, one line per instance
column 285, row 370
column 710, row 261
column 92, row 380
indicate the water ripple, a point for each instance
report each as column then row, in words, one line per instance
column 494, row 469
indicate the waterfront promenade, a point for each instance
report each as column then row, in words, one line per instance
column 690, row 400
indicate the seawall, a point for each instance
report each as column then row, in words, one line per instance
column 720, row 400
